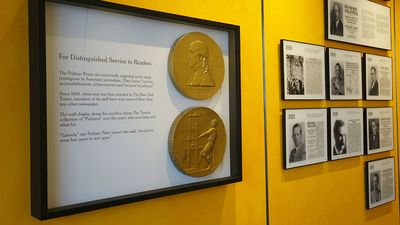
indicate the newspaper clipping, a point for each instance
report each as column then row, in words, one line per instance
column 345, row 69
column 358, row 22
column 305, row 137
column 380, row 184
column 303, row 74
column 346, row 128
column 378, row 80
column 380, row 130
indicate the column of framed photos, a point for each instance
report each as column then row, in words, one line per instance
column 316, row 72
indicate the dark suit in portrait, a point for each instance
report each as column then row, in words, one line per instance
column 374, row 89
column 337, row 28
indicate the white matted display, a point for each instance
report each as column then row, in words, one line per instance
column 305, row 137
column 380, row 182
column 345, row 74
column 346, row 132
column 103, row 103
column 358, row 22
column 378, row 74
column 303, row 71
column 379, row 126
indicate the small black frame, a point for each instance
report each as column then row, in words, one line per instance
column 327, row 20
column 38, row 110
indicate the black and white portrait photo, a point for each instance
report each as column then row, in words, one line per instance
column 374, row 141
column 295, row 76
column 375, row 189
column 336, row 18
column 339, row 147
column 298, row 152
column 373, row 86
column 337, row 81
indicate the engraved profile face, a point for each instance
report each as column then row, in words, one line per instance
column 198, row 62
column 196, row 66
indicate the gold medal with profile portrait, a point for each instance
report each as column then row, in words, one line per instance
column 196, row 66
column 197, row 141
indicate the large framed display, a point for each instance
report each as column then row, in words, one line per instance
column 344, row 69
column 378, row 80
column 379, row 126
column 304, row 137
column 346, row 132
column 129, row 104
column 358, row 22
column 302, row 71
column 380, row 187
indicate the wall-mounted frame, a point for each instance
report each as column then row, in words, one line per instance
column 344, row 74
column 378, row 82
column 379, row 130
column 302, row 71
column 304, row 137
column 102, row 105
column 380, row 186
column 346, row 132
column 358, row 22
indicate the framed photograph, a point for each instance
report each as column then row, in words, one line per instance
column 379, row 126
column 112, row 122
column 304, row 137
column 346, row 132
column 380, row 187
column 358, row 22
column 344, row 69
column 303, row 71
column 378, row 77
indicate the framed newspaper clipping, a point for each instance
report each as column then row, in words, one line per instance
column 302, row 71
column 344, row 69
column 379, row 126
column 358, row 22
column 346, row 132
column 304, row 137
column 116, row 115
column 378, row 77
column 380, row 186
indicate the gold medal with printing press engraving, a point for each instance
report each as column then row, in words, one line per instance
column 196, row 66
column 197, row 141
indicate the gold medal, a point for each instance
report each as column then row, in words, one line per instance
column 197, row 141
column 196, row 66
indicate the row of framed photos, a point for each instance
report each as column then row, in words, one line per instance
column 313, row 136
column 313, row 72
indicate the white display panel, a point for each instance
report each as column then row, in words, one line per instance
column 110, row 104
column 303, row 71
column 359, row 22
column 380, row 183
column 305, row 137
column 379, row 122
column 345, row 74
column 378, row 74
column 347, row 132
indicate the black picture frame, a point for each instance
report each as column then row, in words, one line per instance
column 333, row 128
column 339, row 37
column 343, row 96
column 370, row 114
column 38, row 110
column 290, row 122
column 375, row 198
column 369, row 61
column 299, row 93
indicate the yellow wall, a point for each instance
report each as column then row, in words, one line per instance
column 331, row 193
column 323, row 194
column 241, row 203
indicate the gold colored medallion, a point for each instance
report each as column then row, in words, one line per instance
column 197, row 141
column 196, row 66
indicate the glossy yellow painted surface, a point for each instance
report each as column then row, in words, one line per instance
column 331, row 193
column 240, row 203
